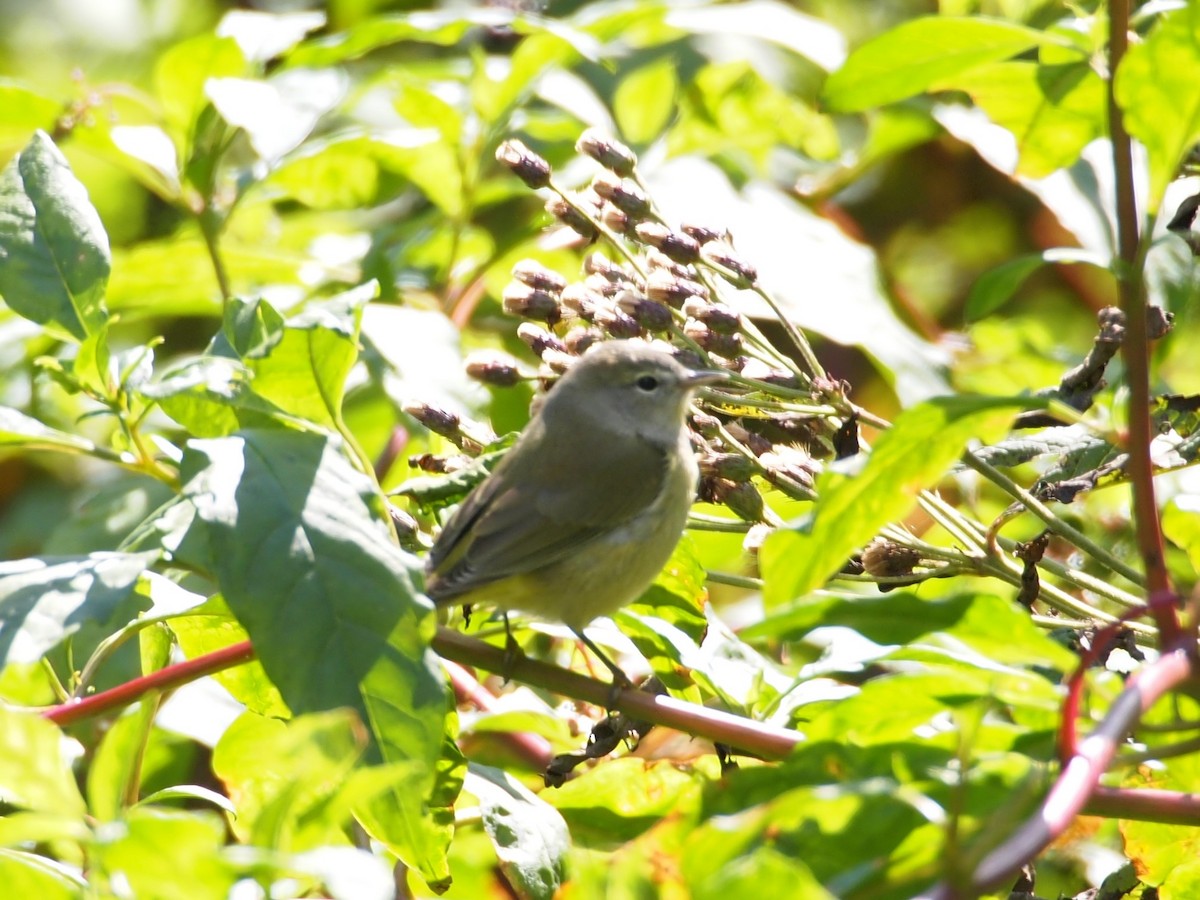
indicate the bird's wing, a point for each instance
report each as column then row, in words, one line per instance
column 529, row 515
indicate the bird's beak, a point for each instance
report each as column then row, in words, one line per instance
column 705, row 377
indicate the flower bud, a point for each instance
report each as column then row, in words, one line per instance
column 534, row 274
column 745, row 501
column 607, row 151
column 622, row 193
column 599, row 264
column 571, row 217
column 539, row 340
column 659, row 260
column 556, row 361
column 524, row 163
column 652, row 316
column 578, row 339
column 732, row 267
column 438, row 420
column 726, row 345
column 439, row 464
column 582, row 300
column 604, row 286
column 730, row 466
column 493, row 368
column 701, row 233
column 885, row 559
column 705, row 425
column 665, row 287
column 617, row 323
column 530, row 303
column 614, row 219
column 717, row 316
column 674, row 244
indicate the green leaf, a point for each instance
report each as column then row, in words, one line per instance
column 180, row 76
column 32, row 875
column 279, row 113
column 43, row 601
column 33, row 774
column 20, row 430
column 1053, row 111
column 156, row 852
column 530, row 836
column 117, row 762
column 645, row 101
column 53, row 246
column 916, row 55
column 1159, row 95
column 285, row 777
column 914, row 454
column 994, row 288
column 191, row 792
column 263, row 36
column 305, row 561
column 23, row 111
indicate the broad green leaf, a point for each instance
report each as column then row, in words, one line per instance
column 329, row 173
column 996, row 287
column 1165, row 855
column 43, row 601
column 279, row 113
column 1181, row 525
column 990, row 625
column 24, row 111
column 1052, row 111
column 117, row 762
column 156, row 852
column 765, row 20
column 26, row 828
column 304, row 560
column 180, row 75
column 530, row 836
column 33, row 773
column 304, row 374
column 53, row 246
column 191, row 792
column 621, row 799
column 18, row 429
column 263, row 36
column 645, row 101
column 918, row 54
column 422, row 107
column 25, row 874
column 284, row 777
column 914, row 454
column 1160, row 96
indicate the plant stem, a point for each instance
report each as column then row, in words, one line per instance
column 1135, row 349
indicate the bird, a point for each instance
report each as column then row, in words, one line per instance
column 584, row 511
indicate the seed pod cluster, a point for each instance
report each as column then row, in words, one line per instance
column 647, row 279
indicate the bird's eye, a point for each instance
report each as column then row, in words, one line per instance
column 646, row 383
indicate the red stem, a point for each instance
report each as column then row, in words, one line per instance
column 164, row 679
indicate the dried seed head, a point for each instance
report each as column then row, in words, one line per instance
column 607, row 151
column 701, row 233
column 534, row 274
column 438, row 420
column 742, row 497
column 582, row 300
column 652, row 316
column 494, row 368
column 717, row 316
column 578, row 339
column 726, row 345
column 571, row 217
column 530, row 303
column 439, row 464
column 883, row 558
column 732, row 267
column 674, row 244
column 617, row 323
column 666, row 287
column 756, row 442
column 524, row 163
column 731, row 466
column 622, row 193
column 539, row 340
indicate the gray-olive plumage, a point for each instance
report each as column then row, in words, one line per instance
column 584, row 511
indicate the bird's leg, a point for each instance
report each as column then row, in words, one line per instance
column 512, row 650
column 620, row 679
